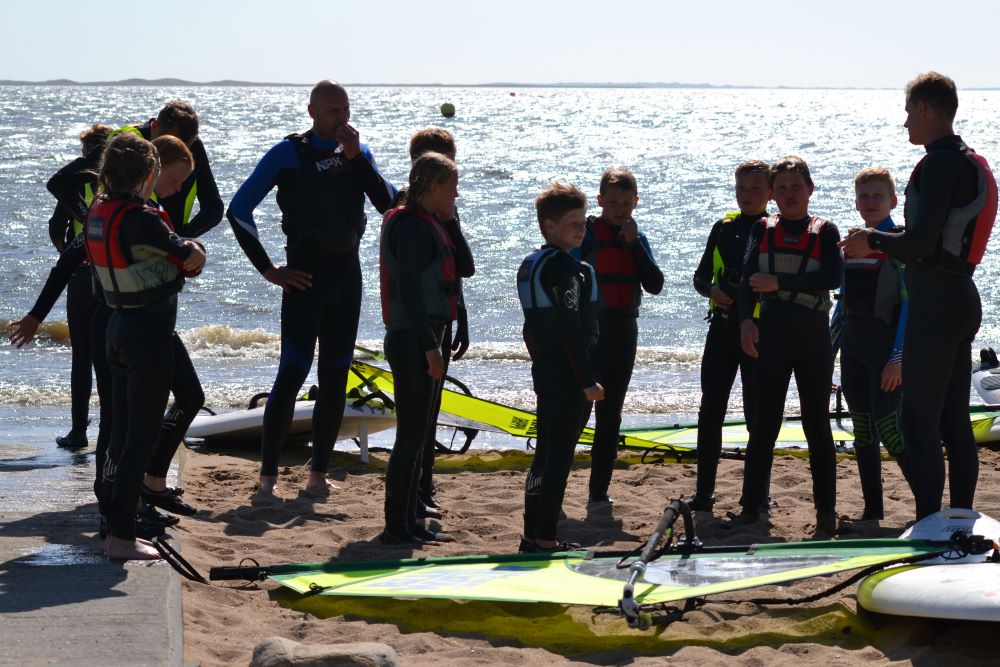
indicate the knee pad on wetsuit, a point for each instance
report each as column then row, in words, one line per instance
column 890, row 433
column 862, row 429
column 532, row 483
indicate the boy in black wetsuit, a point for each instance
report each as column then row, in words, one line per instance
column 792, row 263
column 623, row 262
column 74, row 187
column 951, row 205
column 872, row 317
column 717, row 278
column 557, row 294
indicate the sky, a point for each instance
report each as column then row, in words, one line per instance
column 841, row 43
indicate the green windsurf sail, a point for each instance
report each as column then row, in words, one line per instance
column 592, row 580
column 664, row 570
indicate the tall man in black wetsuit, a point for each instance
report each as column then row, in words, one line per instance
column 951, row 204
column 323, row 176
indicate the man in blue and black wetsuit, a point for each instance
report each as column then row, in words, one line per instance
column 951, row 205
column 323, row 176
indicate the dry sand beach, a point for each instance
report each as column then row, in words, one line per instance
column 482, row 496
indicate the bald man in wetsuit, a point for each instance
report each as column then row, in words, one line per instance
column 323, row 176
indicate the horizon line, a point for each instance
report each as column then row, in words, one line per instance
column 170, row 81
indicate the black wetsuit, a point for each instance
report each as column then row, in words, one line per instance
column 872, row 312
column 944, row 317
column 409, row 242
column 558, row 297
column 723, row 355
column 795, row 339
column 613, row 356
column 321, row 195
column 68, row 186
column 466, row 268
column 140, row 345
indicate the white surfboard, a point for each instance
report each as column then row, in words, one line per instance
column 986, row 377
column 359, row 422
column 966, row 588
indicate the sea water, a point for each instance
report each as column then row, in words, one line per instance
column 682, row 145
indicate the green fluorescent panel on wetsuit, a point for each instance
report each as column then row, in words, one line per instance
column 572, row 578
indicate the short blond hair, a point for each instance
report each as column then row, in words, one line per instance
column 875, row 175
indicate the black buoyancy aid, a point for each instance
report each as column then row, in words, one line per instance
column 785, row 252
column 540, row 314
column 438, row 280
column 871, row 287
column 127, row 280
column 322, row 207
column 615, row 266
column 967, row 228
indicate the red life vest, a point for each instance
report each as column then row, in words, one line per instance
column 438, row 280
column 127, row 281
column 784, row 252
column 616, row 269
column 967, row 228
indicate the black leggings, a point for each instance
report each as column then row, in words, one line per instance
column 944, row 317
column 723, row 356
column 328, row 312
column 80, row 307
column 141, row 356
column 415, row 393
column 188, row 399
column 427, row 462
column 105, row 384
column 561, row 409
column 792, row 340
column 614, row 358
column 875, row 413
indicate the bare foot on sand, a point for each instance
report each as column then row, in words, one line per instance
column 318, row 486
column 119, row 549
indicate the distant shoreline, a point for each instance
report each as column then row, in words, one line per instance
column 498, row 84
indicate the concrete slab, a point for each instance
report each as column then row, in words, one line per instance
column 61, row 601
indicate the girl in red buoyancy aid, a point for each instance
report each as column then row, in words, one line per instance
column 418, row 288
column 140, row 265
column 176, row 164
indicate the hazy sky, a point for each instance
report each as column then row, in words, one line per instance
column 877, row 43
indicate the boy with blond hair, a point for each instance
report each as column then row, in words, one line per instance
column 872, row 318
column 717, row 278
